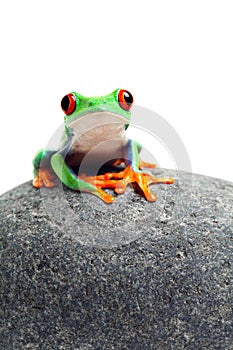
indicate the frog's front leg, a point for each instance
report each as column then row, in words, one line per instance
column 134, row 173
column 70, row 179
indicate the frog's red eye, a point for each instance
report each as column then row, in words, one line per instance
column 125, row 99
column 68, row 104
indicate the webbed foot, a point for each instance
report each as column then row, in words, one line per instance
column 119, row 181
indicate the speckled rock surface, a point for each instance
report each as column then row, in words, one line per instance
column 79, row 274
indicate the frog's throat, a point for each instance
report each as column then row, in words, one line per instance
column 99, row 134
column 96, row 122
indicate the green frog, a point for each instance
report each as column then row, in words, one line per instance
column 95, row 131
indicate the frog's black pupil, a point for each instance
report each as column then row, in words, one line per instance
column 128, row 98
column 65, row 102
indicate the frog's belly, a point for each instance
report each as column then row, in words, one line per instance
column 98, row 146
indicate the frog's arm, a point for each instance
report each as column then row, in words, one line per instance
column 132, row 155
column 134, row 172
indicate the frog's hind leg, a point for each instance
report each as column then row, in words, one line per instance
column 71, row 180
column 43, row 173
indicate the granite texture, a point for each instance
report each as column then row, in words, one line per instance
column 78, row 274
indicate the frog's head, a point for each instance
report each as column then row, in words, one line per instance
column 112, row 108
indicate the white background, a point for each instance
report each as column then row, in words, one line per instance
column 176, row 57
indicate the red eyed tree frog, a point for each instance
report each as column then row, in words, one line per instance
column 96, row 125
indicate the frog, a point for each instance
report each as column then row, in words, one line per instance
column 96, row 125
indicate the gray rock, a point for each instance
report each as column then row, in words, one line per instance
column 79, row 274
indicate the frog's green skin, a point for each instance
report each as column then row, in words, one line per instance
column 95, row 133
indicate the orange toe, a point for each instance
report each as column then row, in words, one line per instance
column 37, row 182
column 143, row 164
column 43, row 178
